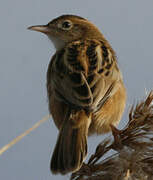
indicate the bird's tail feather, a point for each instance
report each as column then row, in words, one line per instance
column 71, row 146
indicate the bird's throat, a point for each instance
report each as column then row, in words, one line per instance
column 58, row 43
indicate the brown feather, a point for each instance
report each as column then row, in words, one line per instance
column 71, row 146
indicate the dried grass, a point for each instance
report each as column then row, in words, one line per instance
column 133, row 145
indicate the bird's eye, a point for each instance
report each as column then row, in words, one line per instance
column 66, row 25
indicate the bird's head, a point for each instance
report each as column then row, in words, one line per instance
column 68, row 28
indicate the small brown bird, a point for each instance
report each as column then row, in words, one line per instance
column 85, row 88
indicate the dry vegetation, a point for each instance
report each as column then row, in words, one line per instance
column 133, row 147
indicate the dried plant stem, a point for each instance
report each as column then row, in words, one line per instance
column 21, row 136
column 133, row 145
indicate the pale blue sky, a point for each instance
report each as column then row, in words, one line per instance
column 24, row 57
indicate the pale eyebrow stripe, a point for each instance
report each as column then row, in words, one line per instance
column 21, row 136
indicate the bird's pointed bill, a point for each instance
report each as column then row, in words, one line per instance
column 40, row 28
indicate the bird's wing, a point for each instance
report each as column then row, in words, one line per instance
column 82, row 74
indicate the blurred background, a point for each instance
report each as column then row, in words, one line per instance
column 24, row 57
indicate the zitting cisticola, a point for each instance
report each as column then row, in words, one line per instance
column 85, row 88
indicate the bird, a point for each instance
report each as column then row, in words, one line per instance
column 85, row 88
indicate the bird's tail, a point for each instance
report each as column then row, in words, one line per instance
column 71, row 146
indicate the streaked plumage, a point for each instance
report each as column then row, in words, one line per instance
column 85, row 88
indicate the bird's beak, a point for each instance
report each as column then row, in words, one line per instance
column 40, row 28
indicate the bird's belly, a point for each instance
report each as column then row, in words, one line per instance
column 109, row 113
